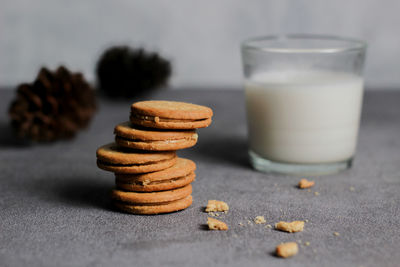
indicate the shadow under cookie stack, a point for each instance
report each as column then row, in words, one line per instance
column 150, row 178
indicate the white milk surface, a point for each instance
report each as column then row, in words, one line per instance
column 304, row 117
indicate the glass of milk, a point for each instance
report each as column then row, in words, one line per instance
column 303, row 100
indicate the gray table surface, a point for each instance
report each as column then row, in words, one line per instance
column 55, row 208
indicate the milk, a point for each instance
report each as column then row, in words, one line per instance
column 303, row 117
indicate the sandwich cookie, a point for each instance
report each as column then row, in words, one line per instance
column 151, row 198
column 117, row 159
column 168, row 207
column 131, row 136
column 170, row 115
column 153, row 203
column 179, row 175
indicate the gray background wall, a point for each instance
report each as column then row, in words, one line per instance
column 200, row 37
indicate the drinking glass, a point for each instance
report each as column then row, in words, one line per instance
column 303, row 101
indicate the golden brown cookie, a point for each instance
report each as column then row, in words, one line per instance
column 117, row 159
column 157, row 208
column 151, row 198
column 214, row 224
column 216, row 206
column 290, row 227
column 131, row 136
column 170, row 115
column 157, row 185
column 285, row 250
column 179, row 175
column 304, row 183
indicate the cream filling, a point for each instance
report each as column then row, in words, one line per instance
column 149, row 204
column 193, row 137
column 131, row 165
column 148, row 182
column 160, row 119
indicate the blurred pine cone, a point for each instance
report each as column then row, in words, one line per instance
column 55, row 106
column 126, row 72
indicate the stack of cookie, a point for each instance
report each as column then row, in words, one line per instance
column 149, row 177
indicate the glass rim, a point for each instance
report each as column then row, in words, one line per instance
column 352, row 44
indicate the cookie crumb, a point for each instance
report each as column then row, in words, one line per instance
column 211, row 213
column 214, row 224
column 307, row 243
column 259, row 220
column 352, row 188
column 336, row 234
column 217, row 214
column 316, row 193
column 216, row 205
column 306, row 220
column 285, row 250
column 290, row 227
column 268, row 226
column 241, row 224
column 304, row 183
column 249, row 222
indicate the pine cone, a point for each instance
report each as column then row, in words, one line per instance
column 125, row 72
column 55, row 106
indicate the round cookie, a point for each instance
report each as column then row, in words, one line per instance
column 181, row 168
column 116, row 159
column 180, row 174
column 131, row 136
column 143, row 168
column 155, row 209
column 153, row 198
column 157, row 185
column 170, row 115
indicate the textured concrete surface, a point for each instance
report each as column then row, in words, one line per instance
column 55, row 210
